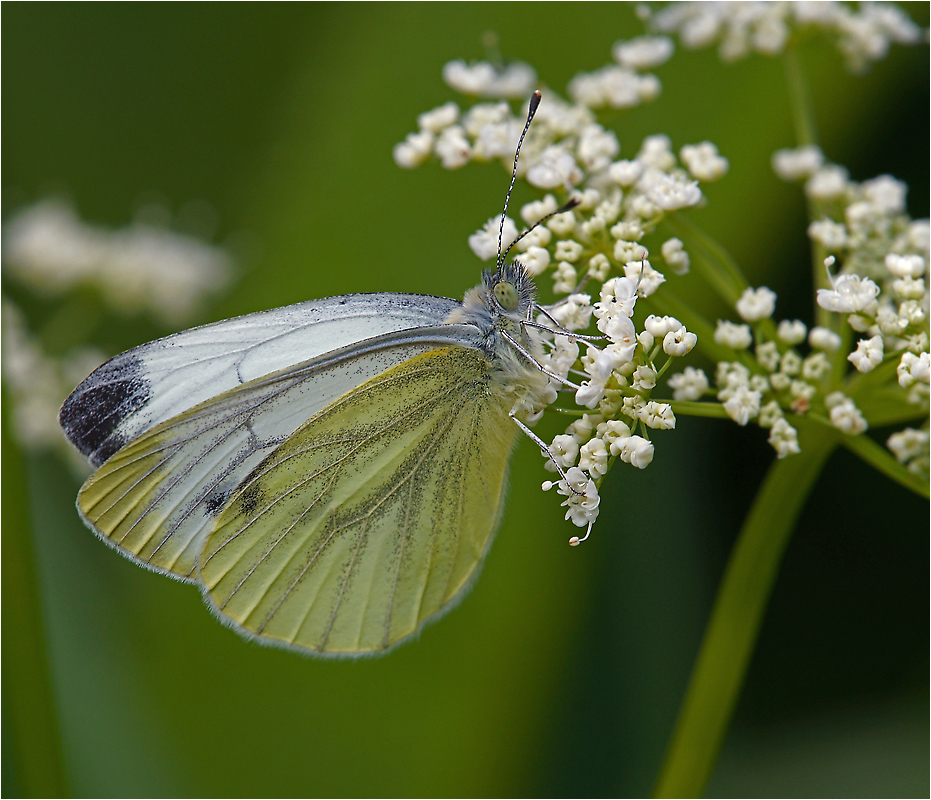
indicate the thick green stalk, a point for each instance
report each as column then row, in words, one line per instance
column 737, row 614
column 30, row 721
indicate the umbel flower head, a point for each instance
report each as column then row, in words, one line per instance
column 592, row 257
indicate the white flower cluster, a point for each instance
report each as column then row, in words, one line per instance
column 568, row 154
column 862, row 33
column 50, row 250
column 38, row 384
column 880, row 293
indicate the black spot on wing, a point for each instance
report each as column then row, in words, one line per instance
column 215, row 501
column 91, row 416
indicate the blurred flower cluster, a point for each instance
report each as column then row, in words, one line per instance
column 594, row 257
column 49, row 252
column 863, row 33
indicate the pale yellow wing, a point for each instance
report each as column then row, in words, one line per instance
column 373, row 516
column 157, row 497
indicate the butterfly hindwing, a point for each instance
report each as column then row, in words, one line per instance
column 372, row 516
column 157, row 498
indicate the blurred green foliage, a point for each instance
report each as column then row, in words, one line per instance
column 562, row 672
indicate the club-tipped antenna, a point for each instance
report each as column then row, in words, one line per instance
column 534, row 104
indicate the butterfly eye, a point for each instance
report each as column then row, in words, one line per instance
column 506, row 295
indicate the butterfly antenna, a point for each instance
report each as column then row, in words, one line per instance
column 502, row 257
column 534, row 104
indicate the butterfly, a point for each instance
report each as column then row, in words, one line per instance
column 329, row 474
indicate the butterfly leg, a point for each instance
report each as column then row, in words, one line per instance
column 544, row 448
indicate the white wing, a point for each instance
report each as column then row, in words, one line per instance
column 158, row 497
column 152, row 383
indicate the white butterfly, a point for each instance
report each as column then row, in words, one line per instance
column 330, row 474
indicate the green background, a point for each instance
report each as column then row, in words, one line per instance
column 562, row 671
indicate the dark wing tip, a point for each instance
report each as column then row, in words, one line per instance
column 92, row 415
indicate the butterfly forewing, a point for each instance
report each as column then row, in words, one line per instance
column 373, row 515
column 158, row 496
column 152, row 383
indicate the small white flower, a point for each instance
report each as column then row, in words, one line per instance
column 690, row 384
column 660, row 326
column 680, row 342
column 851, row 293
column 816, row 367
column 791, row 363
column 845, row 416
column 568, row 250
column 672, row 192
column 832, row 235
column 599, row 266
column 562, row 224
column 497, row 140
column 824, row 339
column 886, row 194
column 703, row 161
column 756, row 304
column 597, row 147
column 574, row 313
column 644, row 52
column 767, row 353
column 674, row 255
column 438, row 118
column 910, row 288
column 555, row 168
column 535, row 260
column 625, row 173
column 582, row 498
column 658, row 416
column 590, row 393
column 453, row 148
column 868, row 355
column 535, row 210
column 909, row 266
column 414, row 150
column 644, row 378
column 635, row 450
column 793, row 165
column 730, row 334
column 769, row 413
column 565, row 451
column 643, row 273
column 784, row 438
column 742, row 405
column 802, row 390
column 792, row 332
column 535, row 237
column 516, row 80
column 484, row 242
column 913, row 369
column 908, row 444
column 828, row 183
column 475, row 78
column 656, row 152
column 593, row 457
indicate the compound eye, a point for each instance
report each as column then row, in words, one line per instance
column 506, row 295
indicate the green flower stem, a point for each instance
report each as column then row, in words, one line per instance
column 806, row 133
column 877, row 456
column 30, row 723
column 712, row 261
column 737, row 614
column 695, row 408
column 803, row 112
